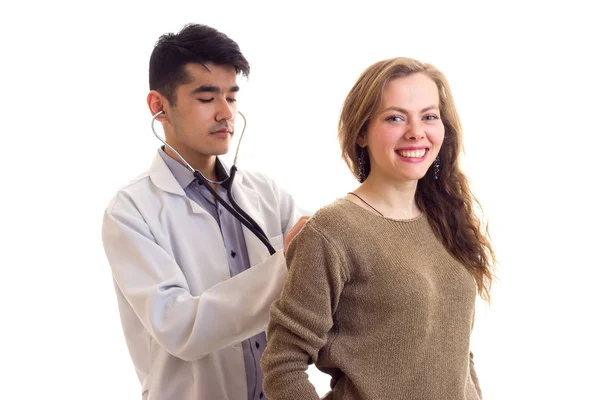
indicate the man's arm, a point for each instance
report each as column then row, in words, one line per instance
column 292, row 217
column 189, row 327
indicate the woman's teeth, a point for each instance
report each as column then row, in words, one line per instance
column 411, row 153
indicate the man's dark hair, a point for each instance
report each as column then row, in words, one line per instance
column 193, row 44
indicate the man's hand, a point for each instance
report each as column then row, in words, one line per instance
column 293, row 232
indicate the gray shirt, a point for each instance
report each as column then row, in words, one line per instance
column 233, row 239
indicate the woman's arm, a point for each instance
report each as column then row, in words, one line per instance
column 303, row 315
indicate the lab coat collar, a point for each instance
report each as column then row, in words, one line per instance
column 183, row 175
column 163, row 178
column 246, row 197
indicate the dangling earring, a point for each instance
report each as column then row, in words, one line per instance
column 362, row 162
column 437, row 164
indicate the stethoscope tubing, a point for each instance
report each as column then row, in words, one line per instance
column 234, row 209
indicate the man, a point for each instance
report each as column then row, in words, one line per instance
column 194, row 286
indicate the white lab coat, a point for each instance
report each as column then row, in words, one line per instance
column 183, row 316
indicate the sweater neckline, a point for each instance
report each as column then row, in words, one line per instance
column 402, row 221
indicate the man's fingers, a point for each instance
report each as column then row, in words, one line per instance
column 294, row 231
column 299, row 224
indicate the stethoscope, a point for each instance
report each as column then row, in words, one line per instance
column 234, row 208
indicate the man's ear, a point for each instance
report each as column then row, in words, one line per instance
column 157, row 103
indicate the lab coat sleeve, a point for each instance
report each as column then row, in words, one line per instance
column 289, row 212
column 189, row 327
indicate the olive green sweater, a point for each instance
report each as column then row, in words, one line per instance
column 379, row 304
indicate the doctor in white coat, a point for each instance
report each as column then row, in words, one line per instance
column 194, row 286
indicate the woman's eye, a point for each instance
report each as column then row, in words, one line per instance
column 231, row 100
column 394, row 118
column 431, row 117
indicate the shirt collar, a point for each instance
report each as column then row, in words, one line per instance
column 183, row 175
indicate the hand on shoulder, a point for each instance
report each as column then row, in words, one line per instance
column 293, row 232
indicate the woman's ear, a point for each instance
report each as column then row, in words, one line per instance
column 361, row 140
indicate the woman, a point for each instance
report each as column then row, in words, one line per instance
column 382, row 283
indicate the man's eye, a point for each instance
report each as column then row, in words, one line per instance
column 231, row 100
column 205, row 100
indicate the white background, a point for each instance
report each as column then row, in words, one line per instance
column 75, row 126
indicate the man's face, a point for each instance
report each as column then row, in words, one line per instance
column 202, row 121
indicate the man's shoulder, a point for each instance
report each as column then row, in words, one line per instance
column 255, row 177
column 257, row 181
column 138, row 187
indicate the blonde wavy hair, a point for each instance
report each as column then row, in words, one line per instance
column 447, row 201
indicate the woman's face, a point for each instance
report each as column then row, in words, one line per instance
column 406, row 134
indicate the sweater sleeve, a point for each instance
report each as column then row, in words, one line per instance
column 474, row 377
column 472, row 372
column 302, row 317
